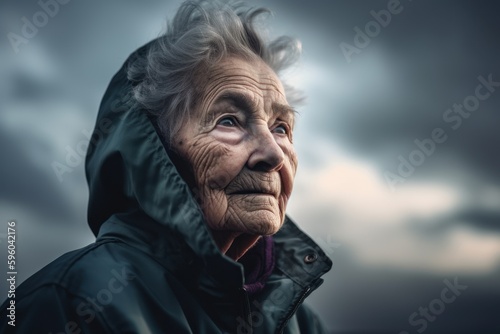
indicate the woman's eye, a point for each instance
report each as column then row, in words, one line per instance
column 281, row 129
column 227, row 121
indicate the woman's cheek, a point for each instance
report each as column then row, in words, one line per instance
column 289, row 169
column 289, row 152
column 225, row 166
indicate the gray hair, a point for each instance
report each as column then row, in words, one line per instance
column 201, row 34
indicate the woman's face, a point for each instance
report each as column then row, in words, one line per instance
column 238, row 146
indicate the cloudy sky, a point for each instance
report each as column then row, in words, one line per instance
column 398, row 141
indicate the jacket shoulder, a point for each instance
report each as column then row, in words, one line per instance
column 102, row 288
column 48, row 300
column 68, row 270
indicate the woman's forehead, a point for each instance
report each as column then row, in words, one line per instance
column 250, row 82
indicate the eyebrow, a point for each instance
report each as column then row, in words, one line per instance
column 242, row 101
column 284, row 109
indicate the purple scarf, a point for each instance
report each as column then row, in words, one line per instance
column 258, row 263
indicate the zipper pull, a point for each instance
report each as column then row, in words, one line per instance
column 244, row 322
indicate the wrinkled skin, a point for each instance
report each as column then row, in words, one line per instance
column 238, row 150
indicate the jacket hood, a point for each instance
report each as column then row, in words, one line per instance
column 131, row 175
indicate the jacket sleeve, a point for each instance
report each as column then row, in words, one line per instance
column 50, row 309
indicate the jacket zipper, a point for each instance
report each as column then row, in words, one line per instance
column 295, row 307
column 246, row 309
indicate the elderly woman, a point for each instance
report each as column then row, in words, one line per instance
column 190, row 170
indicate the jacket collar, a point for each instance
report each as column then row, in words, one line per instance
column 297, row 256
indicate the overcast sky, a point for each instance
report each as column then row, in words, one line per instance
column 397, row 183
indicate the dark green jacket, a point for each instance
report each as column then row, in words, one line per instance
column 154, row 267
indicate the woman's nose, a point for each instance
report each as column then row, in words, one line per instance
column 266, row 154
